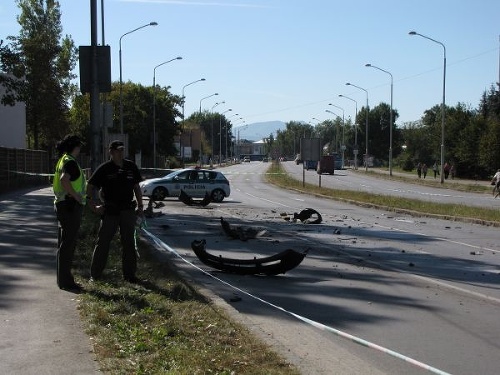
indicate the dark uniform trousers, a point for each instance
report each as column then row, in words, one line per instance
column 69, row 216
column 125, row 220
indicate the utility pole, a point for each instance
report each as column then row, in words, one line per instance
column 94, row 90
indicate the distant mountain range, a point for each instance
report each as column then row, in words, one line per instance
column 258, row 130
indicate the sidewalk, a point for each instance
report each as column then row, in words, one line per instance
column 40, row 329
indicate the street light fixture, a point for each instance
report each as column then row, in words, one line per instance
column 227, row 132
column 212, row 125
column 444, row 96
column 120, row 63
column 220, row 135
column 181, row 150
column 206, row 97
column 336, row 134
column 355, row 151
column 343, row 131
column 390, row 116
column 366, row 126
column 183, row 97
column 154, row 106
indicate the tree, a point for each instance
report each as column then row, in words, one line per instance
column 138, row 117
column 45, row 60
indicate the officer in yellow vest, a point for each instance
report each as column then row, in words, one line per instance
column 69, row 189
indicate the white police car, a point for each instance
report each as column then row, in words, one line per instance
column 195, row 183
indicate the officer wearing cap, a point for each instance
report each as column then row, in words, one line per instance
column 69, row 190
column 118, row 181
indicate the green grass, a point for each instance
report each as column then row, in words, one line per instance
column 162, row 326
column 279, row 177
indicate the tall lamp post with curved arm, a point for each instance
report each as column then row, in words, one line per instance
column 206, row 97
column 220, row 135
column 212, row 127
column 366, row 126
column 343, row 127
column 227, row 133
column 154, row 106
column 183, row 97
column 120, row 63
column 355, row 151
column 336, row 133
column 444, row 96
column 181, row 150
column 390, row 115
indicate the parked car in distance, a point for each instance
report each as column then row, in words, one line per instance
column 310, row 164
column 246, row 159
column 195, row 183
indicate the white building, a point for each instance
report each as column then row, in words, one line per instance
column 12, row 124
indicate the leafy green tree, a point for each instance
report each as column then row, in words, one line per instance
column 138, row 117
column 45, row 59
column 12, row 82
column 489, row 144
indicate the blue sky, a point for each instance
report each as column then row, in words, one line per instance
column 287, row 59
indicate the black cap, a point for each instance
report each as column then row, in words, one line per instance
column 116, row 145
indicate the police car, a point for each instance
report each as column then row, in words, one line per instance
column 195, row 183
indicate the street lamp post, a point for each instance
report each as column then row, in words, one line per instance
column 181, row 151
column 343, row 132
column 355, row 151
column 212, row 126
column 120, row 63
column 183, row 97
column 336, row 133
column 390, row 116
column 154, row 106
column 366, row 126
column 220, row 135
column 227, row 132
column 206, row 97
column 444, row 96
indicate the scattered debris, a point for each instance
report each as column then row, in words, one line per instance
column 242, row 233
column 306, row 214
column 149, row 213
column 189, row 201
column 272, row 265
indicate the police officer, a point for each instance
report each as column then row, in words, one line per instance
column 69, row 190
column 118, row 180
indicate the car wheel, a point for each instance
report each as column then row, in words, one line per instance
column 218, row 195
column 159, row 193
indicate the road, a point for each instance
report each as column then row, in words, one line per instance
column 358, row 181
column 378, row 293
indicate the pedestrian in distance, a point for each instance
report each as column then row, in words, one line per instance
column 69, row 187
column 118, row 181
column 424, row 169
column 446, row 170
column 419, row 170
column 435, row 169
column 495, row 181
column 452, row 172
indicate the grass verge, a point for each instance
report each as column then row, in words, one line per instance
column 162, row 325
column 278, row 176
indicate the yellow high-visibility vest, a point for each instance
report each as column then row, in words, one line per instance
column 79, row 185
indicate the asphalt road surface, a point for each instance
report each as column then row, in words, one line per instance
column 378, row 292
column 359, row 181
